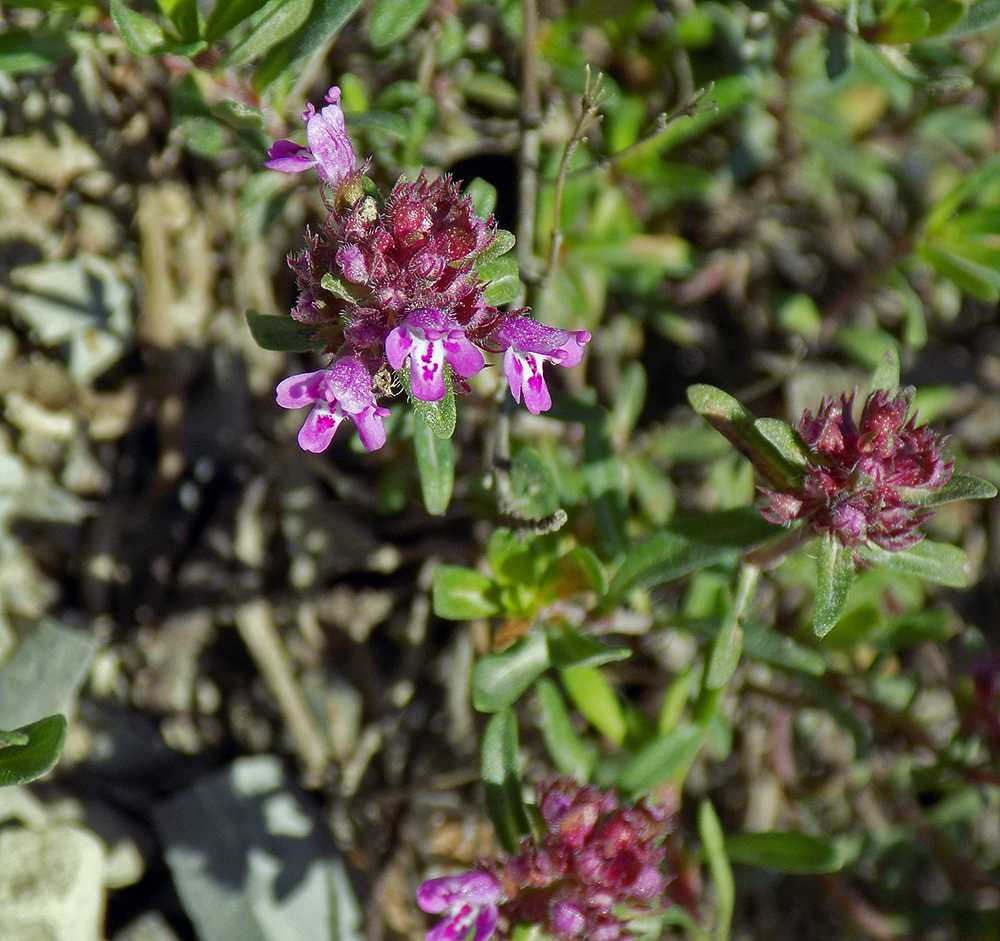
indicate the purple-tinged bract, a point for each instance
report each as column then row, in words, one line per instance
column 857, row 475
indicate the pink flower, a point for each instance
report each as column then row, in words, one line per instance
column 329, row 148
column 857, row 475
column 340, row 391
column 431, row 338
column 469, row 900
column 527, row 345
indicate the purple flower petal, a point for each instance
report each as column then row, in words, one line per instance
column 371, row 431
column 301, row 390
column 397, row 346
column 328, row 140
column 289, row 157
column 463, row 357
column 319, row 428
column 427, row 370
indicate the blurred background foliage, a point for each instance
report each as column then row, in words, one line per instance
column 761, row 196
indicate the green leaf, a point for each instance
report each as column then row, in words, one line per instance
column 504, row 282
column 571, row 754
column 834, row 577
column 37, row 754
column 227, row 14
column 904, row 26
column 959, row 487
column 725, row 655
column 785, row 438
column 568, row 647
column 784, row 852
column 714, row 844
column 886, row 375
column 500, row 679
column 31, row 50
column 501, row 243
column 597, row 701
column 484, row 199
column 279, row 20
column 690, row 544
column 461, row 594
column 971, row 278
column 324, row 22
column 666, row 758
column 184, row 15
column 980, row 17
column 439, row 416
column 839, row 53
column 934, row 561
column 534, row 492
column 435, row 464
column 142, row 36
column 283, row 334
column 727, row 416
column 764, row 643
column 983, row 220
column 391, row 20
column 13, row 738
column 502, row 780
column 982, row 178
column 944, row 14
column 585, row 560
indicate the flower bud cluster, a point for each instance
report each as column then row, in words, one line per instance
column 596, row 867
column 857, row 475
column 390, row 284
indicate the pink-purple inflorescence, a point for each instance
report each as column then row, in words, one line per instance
column 596, row 867
column 857, row 475
column 390, row 286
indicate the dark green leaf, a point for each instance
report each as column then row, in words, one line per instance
column 960, row 487
column 597, row 701
column 982, row 16
column 983, row 220
column 502, row 780
column 666, row 758
column 279, row 20
column 714, row 844
column 725, row 655
column 764, row 643
column 392, row 20
column 785, row 852
column 689, row 544
column 934, row 561
column 184, row 15
column 944, row 14
column 21, row 763
column 500, row 679
column 568, row 647
column 839, row 53
column 435, row 464
column 439, row 416
column 586, row 560
column 323, row 24
column 142, row 36
column 727, row 416
column 834, row 577
column 461, row 594
column 229, row 13
column 283, row 334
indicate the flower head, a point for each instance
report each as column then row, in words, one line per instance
column 527, row 344
column 597, row 865
column 343, row 390
column 469, row 900
column 328, row 147
column 430, row 338
column 857, row 476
